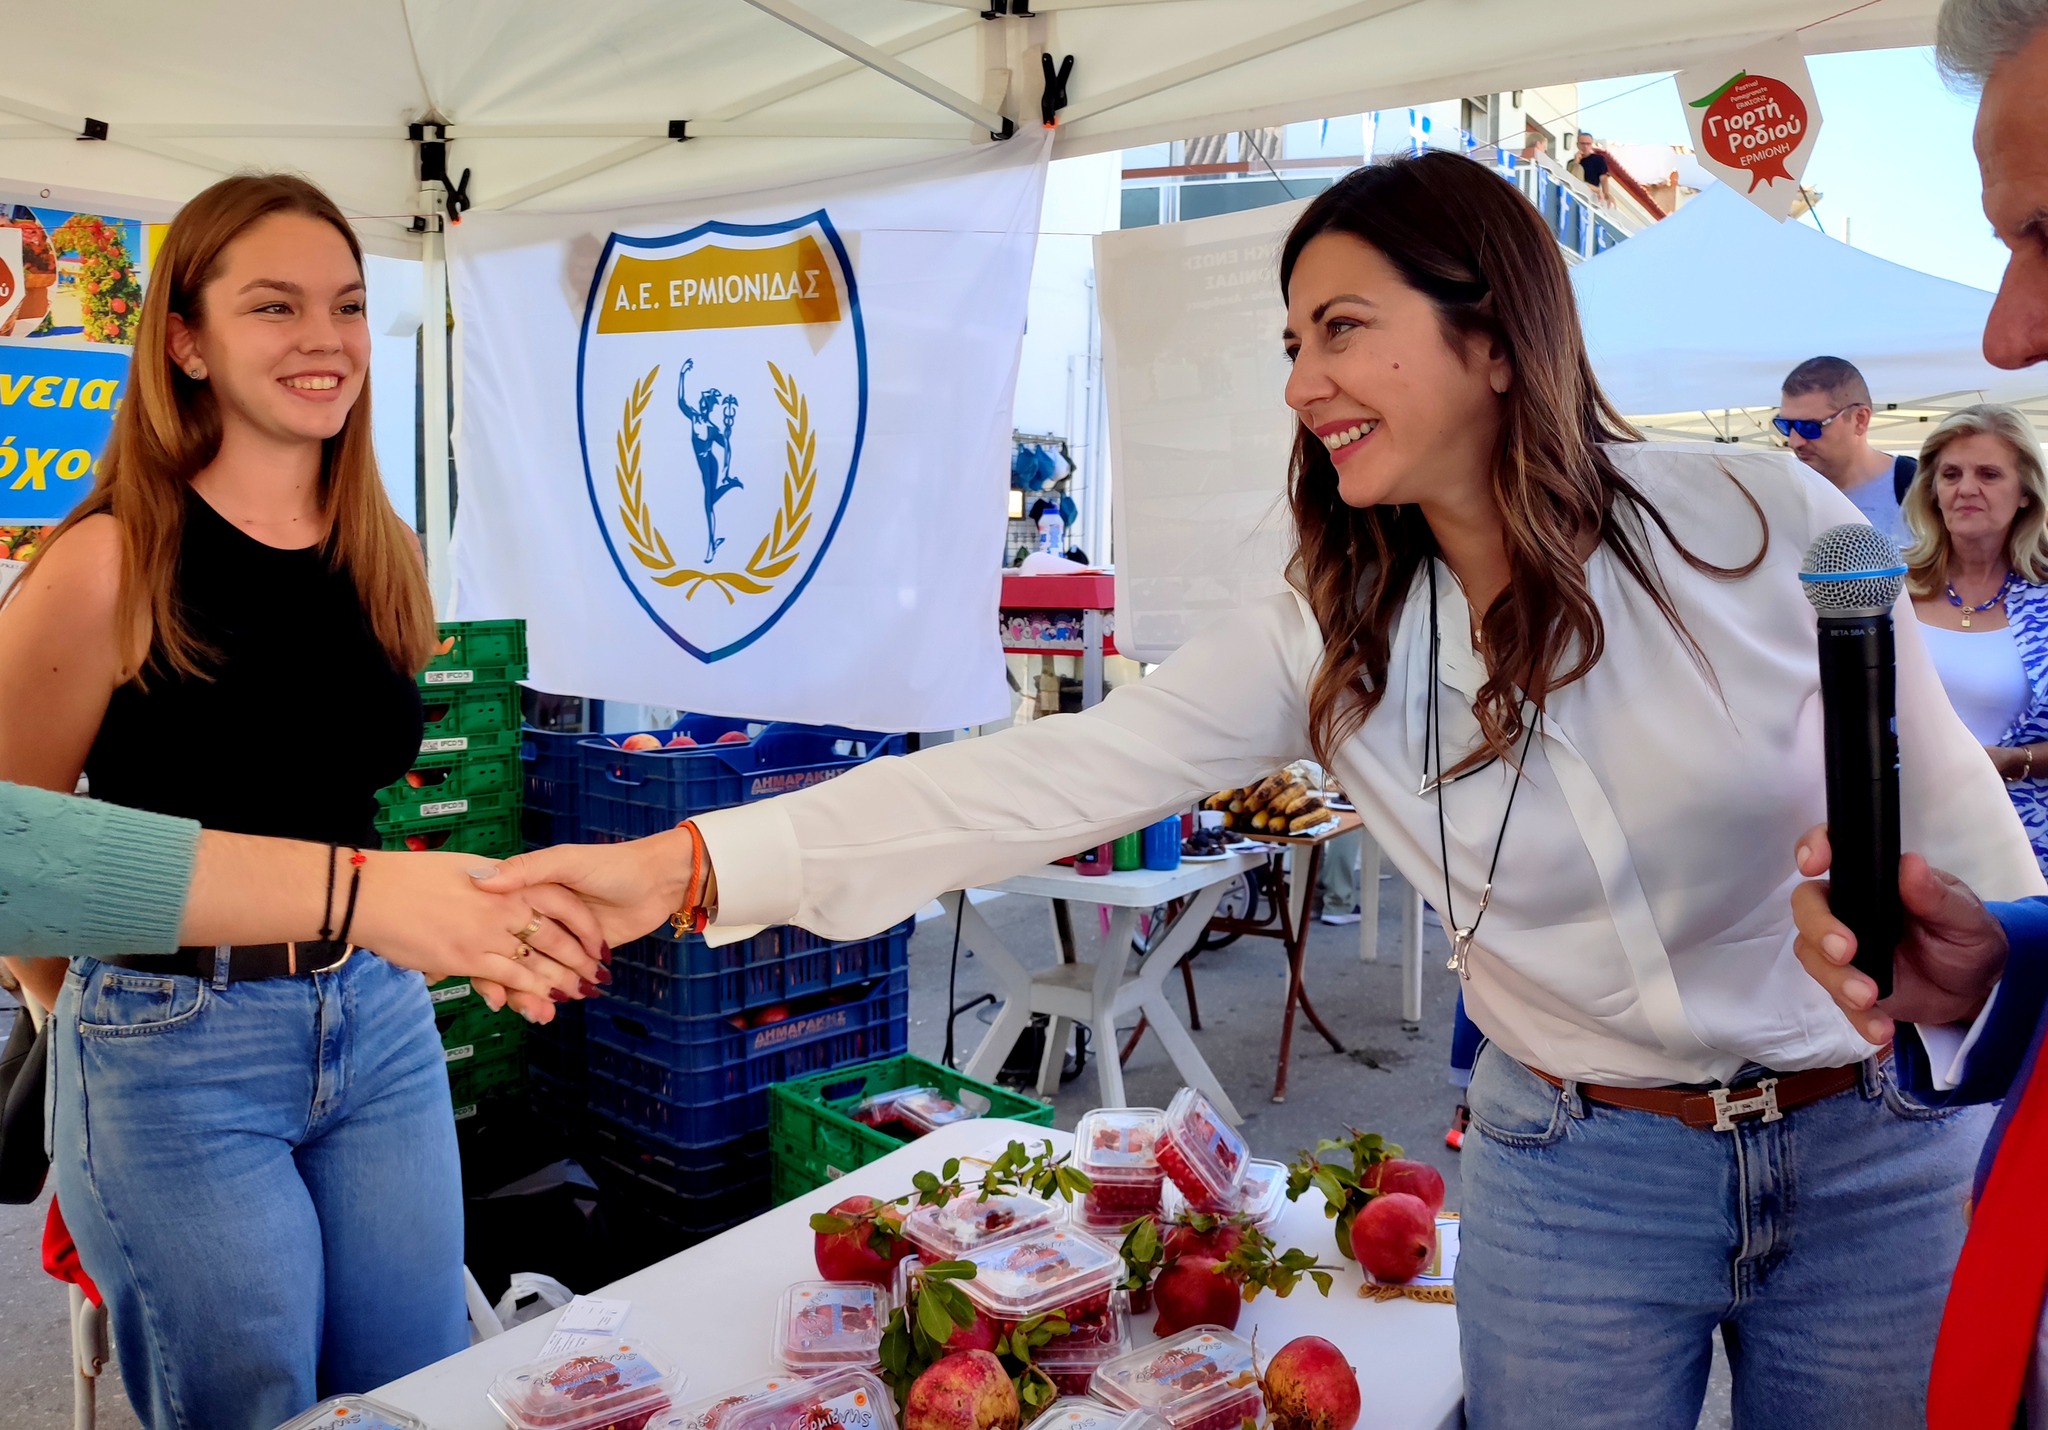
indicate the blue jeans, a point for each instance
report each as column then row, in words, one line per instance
column 1602, row 1248
column 262, row 1179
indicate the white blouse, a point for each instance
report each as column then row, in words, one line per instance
column 1640, row 930
column 1984, row 675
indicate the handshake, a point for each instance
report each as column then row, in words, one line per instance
column 532, row 931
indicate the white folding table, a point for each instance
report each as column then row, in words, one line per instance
column 712, row 1307
column 1097, row 993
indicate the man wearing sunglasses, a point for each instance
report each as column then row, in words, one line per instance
column 1824, row 416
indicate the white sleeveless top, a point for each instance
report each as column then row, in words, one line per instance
column 1984, row 676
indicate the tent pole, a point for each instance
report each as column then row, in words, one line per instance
column 883, row 63
column 436, row 504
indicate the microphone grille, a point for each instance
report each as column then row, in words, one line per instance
column 1852, row 567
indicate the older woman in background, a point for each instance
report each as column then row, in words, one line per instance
column 1978, row 511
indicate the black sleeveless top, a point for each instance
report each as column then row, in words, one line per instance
column 303, row 720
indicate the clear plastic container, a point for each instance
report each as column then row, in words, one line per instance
column 1263, row 1195
column 966, row 1224
column 835, row 1400
column 1080, row 1412
column 621, row 1387
column 713, row 1411
column 1201, row 1379
column 927, row 1110
column 1071, row 1359
column 353, row 1412
column 827, row 1324
column 1059, row 1270
column 1201, row 1152
column 1116, row 1148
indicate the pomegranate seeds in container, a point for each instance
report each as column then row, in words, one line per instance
column 824, row 1325
column 619, row 1387
column 1071, row 1412
column 1071, row 1359
column 1201, row 1152
column 353, row 1412
column 1116, row 1147
column 1201, row 1379
column 712, row 1412
column 1057, row 1270
column 916, row 1110
column 1263, row 1195
column 834, row 1400
column 966, row 1224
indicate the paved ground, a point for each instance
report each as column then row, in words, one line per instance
column 1389, row 1080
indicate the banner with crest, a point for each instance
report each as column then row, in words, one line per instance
column 749, row 457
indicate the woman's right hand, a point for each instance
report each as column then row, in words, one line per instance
column 428, row 912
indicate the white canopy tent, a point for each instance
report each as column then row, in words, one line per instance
column 608, row 103
column 1693, row 323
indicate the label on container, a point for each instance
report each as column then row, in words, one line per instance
column 446, row 745
column 456, row 1055
column 765, row 785
column 448, row 992
column 468, row 1109
column 445, row 806
column 853, row 1411
column 798, row 1030
column 448, row 677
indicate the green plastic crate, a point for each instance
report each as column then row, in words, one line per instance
column 436, row 779
column 492, row 1064
column 470, row 719
column 815, row 1141
column 463, row 1017
column 477, row 653
column 491, row 836
column 402, row 819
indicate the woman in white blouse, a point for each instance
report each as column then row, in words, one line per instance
column 1978, row 574
column 1601, row 644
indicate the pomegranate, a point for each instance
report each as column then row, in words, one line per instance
column 1195, row 1291
column 1218, row 1241
column 850, row 1255
column 1310, row 1386
column 966, row 1390
column 640, row 742
column 681, row 742
column 732, row 737
column 1394, row 1236
column 1404, row 1174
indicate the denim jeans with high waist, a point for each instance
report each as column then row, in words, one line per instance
column 262, row 1178
column 1602, row 1248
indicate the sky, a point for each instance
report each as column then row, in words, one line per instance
column 1893, row 163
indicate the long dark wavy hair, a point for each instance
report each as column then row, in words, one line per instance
column 1476, row 248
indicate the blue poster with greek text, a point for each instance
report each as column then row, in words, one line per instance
column 56, row 409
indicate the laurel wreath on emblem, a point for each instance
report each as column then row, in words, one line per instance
column 777, row 551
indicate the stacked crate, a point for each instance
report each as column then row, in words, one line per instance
column 671, row 1068
column 462, row 794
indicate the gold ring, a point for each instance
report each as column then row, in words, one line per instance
column 523, row 951
column 529, row 931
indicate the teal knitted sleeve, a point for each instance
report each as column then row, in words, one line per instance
column 81, row 877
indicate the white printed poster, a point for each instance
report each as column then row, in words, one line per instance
column 750, row 457
column 1754, row 118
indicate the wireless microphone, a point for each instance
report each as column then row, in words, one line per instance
column 1853, row 575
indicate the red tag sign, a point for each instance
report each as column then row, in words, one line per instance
column 1753, row 123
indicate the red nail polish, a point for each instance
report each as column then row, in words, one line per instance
column 604, row 953
column 589, row 989
column 604, row 975
column 557, row 995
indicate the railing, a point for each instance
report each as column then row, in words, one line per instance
column 1581, row 229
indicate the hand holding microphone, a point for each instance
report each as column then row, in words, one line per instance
column 1888, row 938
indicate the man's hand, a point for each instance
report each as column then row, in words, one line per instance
column 1947, row 963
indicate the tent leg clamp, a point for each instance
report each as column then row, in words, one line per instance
column 1055, row 96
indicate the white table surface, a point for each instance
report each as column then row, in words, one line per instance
column 1130, row 888
column 712, row 1307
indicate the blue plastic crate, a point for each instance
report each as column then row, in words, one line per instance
column 658, row 1165
column 688, row 1119
column 553, row 810
column 777, row 966
column 724, row 1059
column 629, row 794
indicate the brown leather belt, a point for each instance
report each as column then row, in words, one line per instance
column 1720, row 1109
column 245, row 962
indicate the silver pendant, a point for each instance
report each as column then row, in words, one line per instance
column 1461, row 939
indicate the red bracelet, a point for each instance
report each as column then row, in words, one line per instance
column 692, row 916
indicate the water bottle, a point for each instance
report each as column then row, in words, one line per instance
column 1052, row 534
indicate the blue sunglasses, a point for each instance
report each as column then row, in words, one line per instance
column 1809, row 427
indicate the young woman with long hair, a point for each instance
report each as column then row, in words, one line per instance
column 252, row 1144
column 1569, row 680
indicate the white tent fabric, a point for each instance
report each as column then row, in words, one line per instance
column 1712, row 307
column 569, row 106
